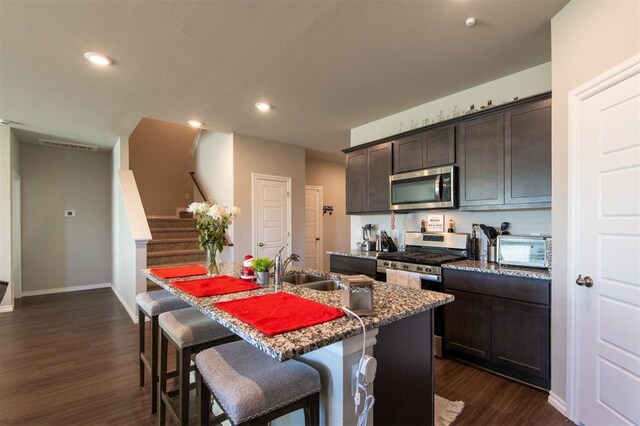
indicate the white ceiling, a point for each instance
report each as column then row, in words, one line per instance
column 327, row 66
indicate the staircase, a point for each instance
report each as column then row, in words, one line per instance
column 175, row 242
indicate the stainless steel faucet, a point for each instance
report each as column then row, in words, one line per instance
column 279, row 267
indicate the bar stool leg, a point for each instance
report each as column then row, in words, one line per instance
column 312, row 410
column 185, row 363
column 204, row 402
column 141, row 344
column 163, row 377
column 155, row 331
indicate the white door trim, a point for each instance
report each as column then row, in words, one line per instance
column 576, row 97
column 320, row 227
column 254, row 218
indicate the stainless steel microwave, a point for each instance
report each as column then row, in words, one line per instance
column 424, row 189
column 524, row 251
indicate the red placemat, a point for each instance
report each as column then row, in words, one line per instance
column 179, row 271
column 214, row 286
column 279, row 312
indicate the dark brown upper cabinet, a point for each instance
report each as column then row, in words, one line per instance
column 433, row 148
column 527, row 150
column 481, row 160
column 368, row 172
column 505, row 158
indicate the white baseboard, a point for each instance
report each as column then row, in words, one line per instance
column 558, row 403
column 64, row 289
column 133, row 315
column 6, row 308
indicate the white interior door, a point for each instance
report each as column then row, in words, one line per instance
column 272, row 215
column 313, row 227
column 607, row 249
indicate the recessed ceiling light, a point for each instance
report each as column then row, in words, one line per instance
column 98, row 58
column 263, row 106
column 470, row 22
column 195, row 123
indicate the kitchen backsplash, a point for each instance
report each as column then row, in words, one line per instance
column 523, row 222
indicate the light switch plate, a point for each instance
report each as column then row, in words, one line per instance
column 69, row 213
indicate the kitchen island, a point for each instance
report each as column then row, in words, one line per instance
column 399, row 335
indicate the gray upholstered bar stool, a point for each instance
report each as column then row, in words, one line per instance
column 252, row 388
column 189, row 331
column 150, row 305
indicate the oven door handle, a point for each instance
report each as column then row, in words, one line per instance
column 438, row 185
column 431, row 277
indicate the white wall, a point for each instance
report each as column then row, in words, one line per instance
column 522, row 84
column 9, row 159
column 588, row 37
column 214, row 171
column 64, row 253
column 129, row 231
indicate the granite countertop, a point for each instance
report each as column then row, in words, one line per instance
column 391, row 303
column 356, row 253
column 494, row 268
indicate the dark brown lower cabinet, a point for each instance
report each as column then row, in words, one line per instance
column 469, row 309
column 500, row 323
column 349, row 265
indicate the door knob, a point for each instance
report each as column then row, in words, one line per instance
column 317, row 238
column 260, row 244
column 586, row 281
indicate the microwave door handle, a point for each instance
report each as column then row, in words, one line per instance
column 438, row 185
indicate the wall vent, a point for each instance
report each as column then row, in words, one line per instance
column 67, row 145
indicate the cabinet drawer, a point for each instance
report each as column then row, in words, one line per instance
column 353, row 265
column 516, row 288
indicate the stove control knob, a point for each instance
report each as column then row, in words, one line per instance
column 385, row 264
column 427, row 268
column 393, row 265
column 419, row 268
column 405, row 266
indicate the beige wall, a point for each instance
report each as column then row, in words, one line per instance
column 254, row 155
column 160, row 157
column 335, row 228
column 587, row 38
column 60, row 252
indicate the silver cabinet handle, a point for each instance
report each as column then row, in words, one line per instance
column 586, row 281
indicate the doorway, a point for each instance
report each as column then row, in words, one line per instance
column 313, row 252
column 16, row 235
column 271, row 215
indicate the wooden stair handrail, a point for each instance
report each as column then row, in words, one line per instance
column 195, row 180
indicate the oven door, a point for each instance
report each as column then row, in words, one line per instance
column 424, row 189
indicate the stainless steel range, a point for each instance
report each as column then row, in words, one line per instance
column 425, row 254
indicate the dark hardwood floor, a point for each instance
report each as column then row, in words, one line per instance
column 71, row 359
column 491, row 399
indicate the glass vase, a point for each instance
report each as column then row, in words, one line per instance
column 212, row 262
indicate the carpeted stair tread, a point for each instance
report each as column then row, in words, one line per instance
column 175, row 253
column 164, row 223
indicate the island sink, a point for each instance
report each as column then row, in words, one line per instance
column 311, row 281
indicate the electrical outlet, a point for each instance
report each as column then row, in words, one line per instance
column 69, row 213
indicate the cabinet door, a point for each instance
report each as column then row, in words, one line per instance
column 528, row 154
column 481, row 153
column 379, row 169
column 439, row 147
column 407, row 154
column 356, row 181
column 520, row 336
column 467, row 324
